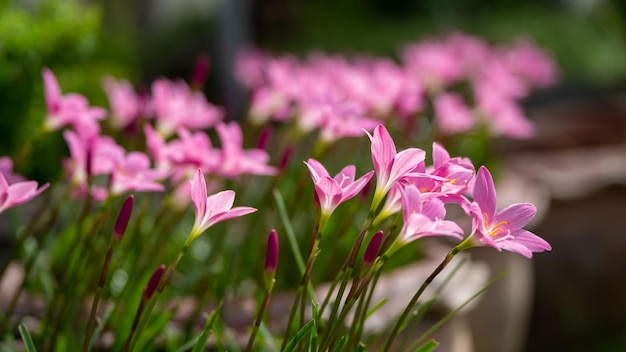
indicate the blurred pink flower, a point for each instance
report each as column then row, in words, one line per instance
column 329, row 191
column 6, row 168
column 502, row 229
column 132, row 173
column 452, row 114
column 235, row 160
column 126, row 105
column 17, row 193
column 212, row 209
column 176, row 105
column 72, row 109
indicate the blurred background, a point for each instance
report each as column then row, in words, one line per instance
column 576, row 165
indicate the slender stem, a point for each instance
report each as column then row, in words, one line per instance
column 259, row 318
column 304, row 283
column 399, row 324
column 151, row 303
column 91, row 322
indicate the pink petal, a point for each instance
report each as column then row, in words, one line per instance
column 440, row 155
column 198, row 196
column 220, row 202
column 485, row 192
column 517, row 215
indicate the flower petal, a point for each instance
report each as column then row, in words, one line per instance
column 516, row 215
column 485, row 192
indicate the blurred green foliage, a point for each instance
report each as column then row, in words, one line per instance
column 64, row 36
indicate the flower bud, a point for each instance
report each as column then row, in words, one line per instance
column 154, row 282
column 271, row 257
column 371, row 252
column 200, row 71
column 264, row 137
column 122, row 218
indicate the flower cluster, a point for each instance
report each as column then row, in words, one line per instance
column 170, row 151
column 339, row 96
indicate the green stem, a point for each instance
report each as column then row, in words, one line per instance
column 259, row 319
column 399, row 324
column 91, row 322
column 151, row 303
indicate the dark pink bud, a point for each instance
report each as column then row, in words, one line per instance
column 89, row 158
column 372, row 248
column 264, row 137
column 271, row 257
column 122, row 218
column 284, row 160
column 200, row 71
column 154, row 282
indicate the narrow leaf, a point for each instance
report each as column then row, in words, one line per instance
column 26, row 338
column 293, row 343
column 428, row 346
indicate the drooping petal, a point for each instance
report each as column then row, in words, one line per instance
column 531, row 241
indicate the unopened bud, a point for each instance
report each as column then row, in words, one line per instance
column 154, row 282
column 286, row 157
column 123, row 217
column 371, row 252
column 200, row 71
column 264, row 137
column 271, row 257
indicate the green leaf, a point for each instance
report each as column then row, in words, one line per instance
column 26, row 338
column 428, row 346
column 300, row 335
column 206, row 331
column 341, row 343
column 376, row 307
column 448, row 316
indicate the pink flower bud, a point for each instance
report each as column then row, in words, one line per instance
column 154, row 282
column 122, row 218
column 372, row 248
column 264, row 137
column 286, row 157
column 200, row 71
column 271, row 257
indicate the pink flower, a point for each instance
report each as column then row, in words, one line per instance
column 17, row 193
column 502, row 229
column 235, row 160
column 329, row 191
column 72, row 109
column 423, row 218
column 390, row 166
column 176, row 105
column 6, row 168
column 133, row 173
column 126, row 106
column 212, row 209
column 452, row 114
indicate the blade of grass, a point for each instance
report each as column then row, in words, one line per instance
column 428, row 346
column 448, row 316
column 291, row 237
column 206, row 331
column 301, row 334
column 26, row 338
